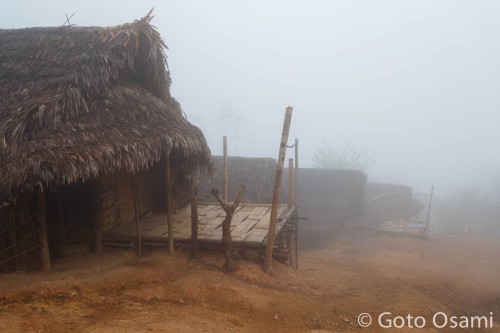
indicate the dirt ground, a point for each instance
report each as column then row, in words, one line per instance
column 457, row 275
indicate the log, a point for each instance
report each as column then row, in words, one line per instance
column 277, row 190
column 226, row 225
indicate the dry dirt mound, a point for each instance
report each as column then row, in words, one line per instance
column 159, row 293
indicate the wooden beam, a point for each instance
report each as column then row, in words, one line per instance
column 168, row 187
column 137, row 215
column 194, row 217
column 43, row 237
column 277, row 190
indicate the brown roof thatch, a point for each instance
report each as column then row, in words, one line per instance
column 77, row 102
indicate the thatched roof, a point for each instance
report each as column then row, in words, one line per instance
column 77, row 102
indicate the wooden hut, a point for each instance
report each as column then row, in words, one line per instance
column 88, row 129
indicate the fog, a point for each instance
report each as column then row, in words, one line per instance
column 414, row 82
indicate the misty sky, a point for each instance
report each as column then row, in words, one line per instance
column 415, row 82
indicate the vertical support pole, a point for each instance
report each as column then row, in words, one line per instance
column 13, row 238
column 43, row 237
column 224, row 167
column 429, row 210
column 277, row 190
column 61, row 227
column 137, row 215
column 296, row 193
column 194, row 217
column 169, row 205
column 291, row 199
column 98, row 218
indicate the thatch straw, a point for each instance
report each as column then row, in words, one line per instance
column 78, row 102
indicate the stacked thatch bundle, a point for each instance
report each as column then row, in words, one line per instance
column 78, row 102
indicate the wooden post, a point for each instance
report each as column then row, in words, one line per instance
column 98, row 218
column 226, row 225
column 277, row 190
column 194, row 217
column 429, row 210
column 169, row 205
column 137, row 215
column 13, row 238
column 290, row 183
column 296, row 191
column 296, row 195
column 61, row 227
column 43, row 237
column 224, row 167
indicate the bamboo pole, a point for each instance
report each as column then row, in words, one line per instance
column 290, row 183
column 224, row 167
column 296, row 195
column 194, row 217
column 169, row 205
column 277, row 190
column 296, row 182
column 43, row 238
column 137, row 215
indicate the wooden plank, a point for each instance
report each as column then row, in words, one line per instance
column 238, row 217
column 158, row 231
column 258, row 212
column 264, row 221
column 256, row 235
column 241, row 229
column 182, row 214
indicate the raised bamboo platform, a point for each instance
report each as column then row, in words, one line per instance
column 249, row 226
